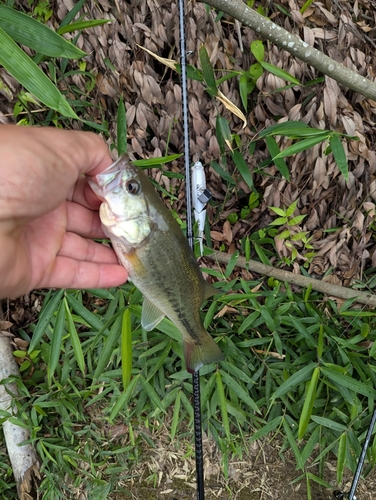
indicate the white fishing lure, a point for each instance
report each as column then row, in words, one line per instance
column 200, row 197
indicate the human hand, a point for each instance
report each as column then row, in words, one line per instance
column 48, row 212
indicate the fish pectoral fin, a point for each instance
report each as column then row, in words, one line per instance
column 209, row 291
column 151, row 315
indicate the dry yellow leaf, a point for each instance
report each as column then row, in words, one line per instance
column 231, row 107
column 170, row 63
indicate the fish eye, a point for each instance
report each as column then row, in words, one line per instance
column 133, row 186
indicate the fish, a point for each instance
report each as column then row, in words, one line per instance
column 151, row 246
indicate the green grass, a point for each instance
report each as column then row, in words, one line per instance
column 274, row 340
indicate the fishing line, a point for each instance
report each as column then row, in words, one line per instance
column 188, row 191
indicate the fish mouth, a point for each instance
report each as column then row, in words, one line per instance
column 110, row 179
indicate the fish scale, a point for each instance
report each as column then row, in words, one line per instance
column 151, row 246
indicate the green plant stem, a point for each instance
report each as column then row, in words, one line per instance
column 296, row 279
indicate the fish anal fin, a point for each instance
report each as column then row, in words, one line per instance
column 199, row 354
column 151, row 315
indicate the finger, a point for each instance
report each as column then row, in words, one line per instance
column 72, row 273
column 82, row 221
column 78, row 248
column 84, row 195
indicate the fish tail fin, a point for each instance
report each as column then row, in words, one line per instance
column 197, row 354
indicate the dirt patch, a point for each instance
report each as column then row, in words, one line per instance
column 262, row 474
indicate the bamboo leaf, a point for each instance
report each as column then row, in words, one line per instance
column 152, row 162
column 108, row 348
column 124, row 398
column 279, row 72
column 36, row 35
column 294, row 446
column 72, row 13
column 274, row 151
column 56, row 341
column 341, row 458
column 82, row 25
column 239, row 391
column 175, row 416
column 349, row 382
column 222, row 406
column 330, row 424
column 294, row 381
column 222, row 173
column 244, row 89
column 44, row 319
column 84, row 313
column 266, row 429
column 76, row 344
column 121, row 127
column 293, row 129
column 223, row 133
column 243, row 168
column 207, row 70
column 302, row 145
column 126, row 348
column 31, row 76
column 291, row 209
column 308, row 403
column 152, row 395
column 170, row 63
column 339, row 155
column 258, row 50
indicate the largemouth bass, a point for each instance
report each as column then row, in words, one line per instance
column 151, row 246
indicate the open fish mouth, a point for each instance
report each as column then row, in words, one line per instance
column 111, row 178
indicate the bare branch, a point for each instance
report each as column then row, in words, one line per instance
column 297, row 279
column 287, row 41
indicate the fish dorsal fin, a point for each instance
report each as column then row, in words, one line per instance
column 209, row 290
column 151, row 315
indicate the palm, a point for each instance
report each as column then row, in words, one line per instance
column 60, row 252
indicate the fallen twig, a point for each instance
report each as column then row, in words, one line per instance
column 297, row 279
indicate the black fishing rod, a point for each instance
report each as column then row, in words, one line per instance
column 188, row 191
